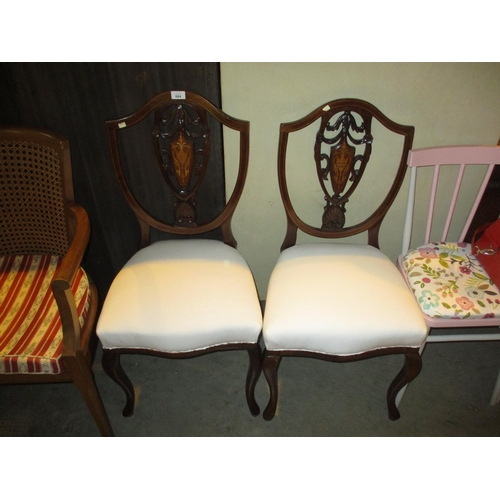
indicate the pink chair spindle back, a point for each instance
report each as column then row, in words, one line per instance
column 447, row 155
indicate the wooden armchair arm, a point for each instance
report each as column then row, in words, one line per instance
column 61, row 284
column 73, row 258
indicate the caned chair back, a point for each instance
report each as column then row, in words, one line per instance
column 35, row 191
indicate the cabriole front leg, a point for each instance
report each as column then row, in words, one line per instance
column 112, row 366
column 270, row 366
column 254, row 371
column 411, row 368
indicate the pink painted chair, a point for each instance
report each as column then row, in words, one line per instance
column 449, row 283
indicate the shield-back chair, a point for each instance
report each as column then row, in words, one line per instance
column 340, row 301
column 189, row 294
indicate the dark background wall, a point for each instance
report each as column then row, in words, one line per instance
column 75, row 100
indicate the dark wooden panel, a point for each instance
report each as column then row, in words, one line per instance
column 75, row 100
column 489, row 208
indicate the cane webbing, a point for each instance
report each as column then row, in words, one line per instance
column 32, row 218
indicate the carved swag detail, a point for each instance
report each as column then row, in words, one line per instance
column 341, row 162
column 181, row 139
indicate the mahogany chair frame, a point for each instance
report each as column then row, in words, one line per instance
column 148, row 221
column 272, row 358
column 111, row 357
column 79, row 344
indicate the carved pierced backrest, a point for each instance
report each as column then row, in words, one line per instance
column 344, row 141
column 179, row 125
column 35, row 183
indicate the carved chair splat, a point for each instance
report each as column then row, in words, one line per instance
column 187, row 296
column 323, row 298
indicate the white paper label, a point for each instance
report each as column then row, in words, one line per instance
column 122, row 125
column 178, row 94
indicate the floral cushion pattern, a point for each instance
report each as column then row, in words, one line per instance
column 450, row 283
column 30, row 324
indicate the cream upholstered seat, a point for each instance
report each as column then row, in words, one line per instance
column 340, row 301
column 150, row 303
column 183, row 296
column 448, row 281
column 312, row 293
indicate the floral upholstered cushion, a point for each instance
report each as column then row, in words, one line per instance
column 30, row 325
column 450, row 283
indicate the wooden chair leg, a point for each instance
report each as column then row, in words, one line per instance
column 112, row 366
column 402, row 392
column 411, row 368
column 83, row 378
column 270, row 366
column 254, row 371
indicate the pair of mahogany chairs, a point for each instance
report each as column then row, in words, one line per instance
column 192, row 294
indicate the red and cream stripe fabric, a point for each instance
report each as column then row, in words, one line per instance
column 30, row 324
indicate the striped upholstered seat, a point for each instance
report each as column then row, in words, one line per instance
column 30, row 324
